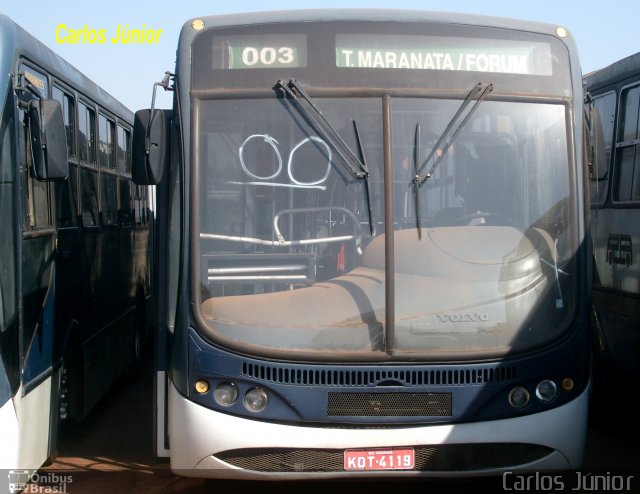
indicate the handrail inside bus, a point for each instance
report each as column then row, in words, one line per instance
column 278, row 243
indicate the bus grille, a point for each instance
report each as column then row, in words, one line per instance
column 432, row 458
column 323, row 376
column 389, row 404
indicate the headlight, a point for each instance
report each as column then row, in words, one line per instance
column 226, row 393
column 546, row 391
column 519, row 397
column 256, row 400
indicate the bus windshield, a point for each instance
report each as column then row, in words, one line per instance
column 293, row 250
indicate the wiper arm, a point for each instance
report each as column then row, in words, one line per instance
column 416, row 180
column 357, row 167
column 363, row 161
column 315, row 117
column 477, row 93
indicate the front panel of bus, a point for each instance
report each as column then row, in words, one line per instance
column 384, row 229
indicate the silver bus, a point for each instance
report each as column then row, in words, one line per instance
column 372, row 246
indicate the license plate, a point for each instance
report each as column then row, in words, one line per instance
column 379, row 459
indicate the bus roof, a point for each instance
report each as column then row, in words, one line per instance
column 315, row 15
column 16, row 40
column 616, row 72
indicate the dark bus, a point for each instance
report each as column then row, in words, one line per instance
column 614, row 96
column 74, row 236
column 372, row 246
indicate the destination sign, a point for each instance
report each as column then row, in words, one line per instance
column 261, row 52
column 443, row 53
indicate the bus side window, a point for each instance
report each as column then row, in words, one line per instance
column 123, row 150
column 86, row 134
column 107, row 161
column 109, row 206
column 66, row 192
column 36, row 212
column 125, row 209
column 68, row 113
column 89, row 197
column 627, row 181
column 140, row 202
column 35, row 193
column 123, row 160
column 88, row 172
column 602, row 124
column 105, row 142
column 38, row 203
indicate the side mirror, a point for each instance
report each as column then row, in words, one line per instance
column 150, row 151
column 48, row 140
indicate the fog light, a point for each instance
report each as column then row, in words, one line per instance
column 256, row 400
column 202, row 386
column 519, row 397
column 226, row 393
column 546, row 391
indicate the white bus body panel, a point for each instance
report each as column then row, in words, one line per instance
column 33, row 412
column 9, row 435
column 197, row 434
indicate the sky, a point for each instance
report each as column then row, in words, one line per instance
column 605, row 31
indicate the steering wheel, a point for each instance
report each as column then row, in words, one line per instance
column 483, row 218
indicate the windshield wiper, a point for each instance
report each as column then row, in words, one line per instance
column 357, row 167
column 452, row 130
column 363, row 161
column 416, row 183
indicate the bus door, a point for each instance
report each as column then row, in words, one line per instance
column 36, row 401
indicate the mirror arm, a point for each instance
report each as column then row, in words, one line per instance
column 164, row 84
column 23, row 84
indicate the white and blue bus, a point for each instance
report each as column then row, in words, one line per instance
column 372, row 246
column 614, row 93
column 74, row 247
